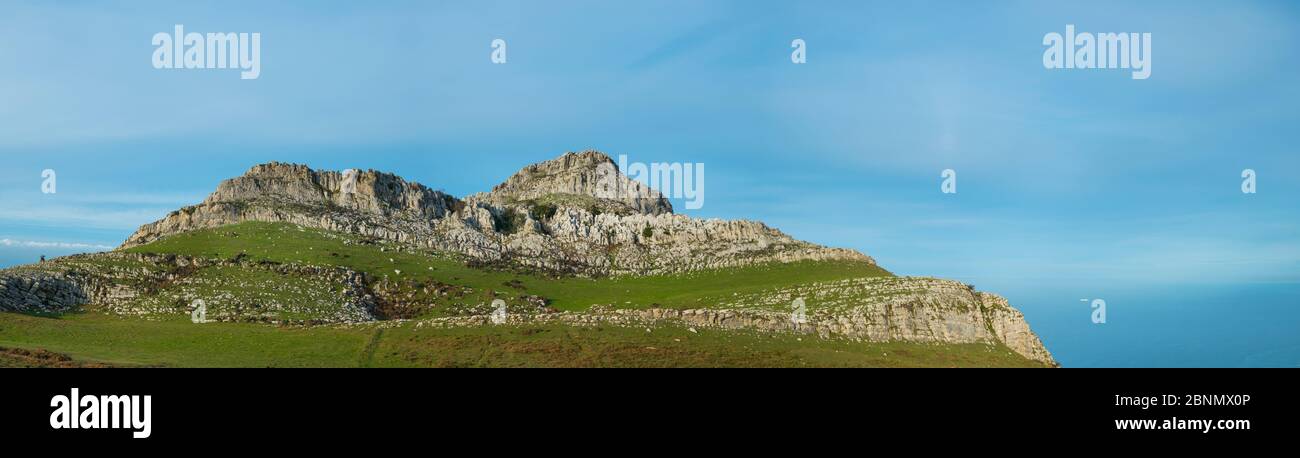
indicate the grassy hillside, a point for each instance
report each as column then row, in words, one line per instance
column 447, row 281
column 268, row 282
column 90, row 338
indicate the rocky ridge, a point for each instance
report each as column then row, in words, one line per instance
column 558, row 215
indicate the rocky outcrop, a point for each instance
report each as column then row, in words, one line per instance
column 1010, row 327
column 367, row 203
column 589, row 174
column 559, row 215
column 914, row 309
column 40, row 292
column 149, row 285
column 874, row 309
column 368, row 192
column 871, row 322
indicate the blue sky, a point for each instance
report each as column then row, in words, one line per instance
column 1085, row 178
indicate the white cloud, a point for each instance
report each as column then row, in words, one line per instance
column 84, row 217
column 62, row 245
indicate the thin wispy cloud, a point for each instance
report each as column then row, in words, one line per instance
column 82, row 216
column 60, row 245
column 161, row 199
column 699, row 37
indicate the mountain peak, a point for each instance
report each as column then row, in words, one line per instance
column 586, row 174
column 367, row 191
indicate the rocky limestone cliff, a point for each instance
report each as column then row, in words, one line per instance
column 555, row 216
column 370, row 192
column 40, row 292
column 908, row 309
column 589, row 174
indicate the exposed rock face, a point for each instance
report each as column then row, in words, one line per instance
column 1010, row 327
column 368, row 203
column 872, row 323
column 40, row 292
column 914, row 309
column 150, row 285
column 590, row 174
column 374, row 193
column 557, row 215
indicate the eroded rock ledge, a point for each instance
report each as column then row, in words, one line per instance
column 908, row 325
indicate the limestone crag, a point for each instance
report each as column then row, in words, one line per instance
column 588, row 174
column 39, row 292
column 1010, row 327
column 916, row 309
column 557, row 215
column 871, row 322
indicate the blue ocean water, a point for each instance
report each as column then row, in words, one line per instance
column 14, row 256
column 1171, row 325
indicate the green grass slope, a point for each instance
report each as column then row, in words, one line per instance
column 446, row 281
column 419, row 284
column 91, row 338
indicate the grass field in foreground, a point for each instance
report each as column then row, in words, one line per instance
column 170, row 339
column 97, row 338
